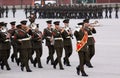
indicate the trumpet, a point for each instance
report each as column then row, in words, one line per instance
column 95, row 24
column 33, row 26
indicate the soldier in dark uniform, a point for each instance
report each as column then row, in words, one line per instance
column 14, row 10
column 67, row 35
column 48, row 36
column 32, row 18
column 116, row 11
column 37, row 45
column 0, row 12
column 106, row 11
column 4, row 46
column 110, row 11
column 26, row 11
column 82, row 53
column 23, row 39
column 13, row 43
column 3, row 10
column 6, row 10
column 58, row 44
column 30, row 9
column 91, row 42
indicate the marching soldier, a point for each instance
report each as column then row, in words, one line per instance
column 58, row 44
column 91, row 42
column 67, row 35
column 4, row 46
column 49, row 41
column 23, row 39
column 81, row 37
column 13, row 43
column 37, row 45
column 32, row 18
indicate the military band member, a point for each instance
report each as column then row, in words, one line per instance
column 67, row 35
column 23, row 39
column 37, row 45
column 13, row 43
column 58, row 44
column 91, row 42
column 32, row 18
column 48, row 36
column 81, row 37
column 4, row 46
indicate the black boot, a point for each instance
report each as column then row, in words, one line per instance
column 78, row 71
column 61, row 68
column 17, row 61
column 29, row 70
column 54, row 65
column 84, row 74
column 47, row 60
column 12, row 58
column 22, row 67
column 34, row 63
column 8, row 68
column 64, row 61
column 89, row 65
column 2, row 66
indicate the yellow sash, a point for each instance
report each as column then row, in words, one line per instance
column 80, row 44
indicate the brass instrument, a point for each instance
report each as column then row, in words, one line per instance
column 95, row 24
column 5, row 31
column 26, row 28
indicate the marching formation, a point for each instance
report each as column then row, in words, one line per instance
column 27, row 41
column 66, row 11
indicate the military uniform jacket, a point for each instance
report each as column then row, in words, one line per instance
column 12, row 31
column 66, row 38
column 4, row 42
column 22, row 39
column 48, row 35
column 79, row 35
column 91, row 40
column 36, row 40
column 58, row 38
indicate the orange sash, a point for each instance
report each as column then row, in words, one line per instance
column 80, row 44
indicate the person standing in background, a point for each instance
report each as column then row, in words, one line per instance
column 13, row 10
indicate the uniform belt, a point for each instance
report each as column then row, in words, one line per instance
column 48, row 37
column 58, row 38
column 24, row 39
column 7, row 40
column 12, row 36
column 78, row 41
column 90, row 35
column 68, row 37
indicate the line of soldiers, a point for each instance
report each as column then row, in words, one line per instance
column 27, row 40
column 4, row 11
column 73, row 11
column 66, row 11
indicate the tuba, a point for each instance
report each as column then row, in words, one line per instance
column 4, row 29
column 33, row 26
